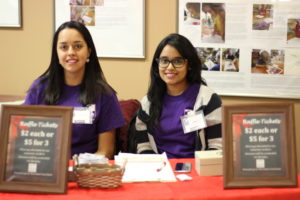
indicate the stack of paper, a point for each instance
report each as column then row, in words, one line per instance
column 145, row 167
column 91, row 158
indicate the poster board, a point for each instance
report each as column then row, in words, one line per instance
column 10, row 13
column 259, row 147
column 35, row 148
column 117, row 26
column 248, row 48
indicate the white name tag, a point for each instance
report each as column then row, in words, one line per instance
column 193, row 121
column 84, row 115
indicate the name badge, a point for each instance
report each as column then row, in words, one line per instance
column 193, row 121
column 84, row 115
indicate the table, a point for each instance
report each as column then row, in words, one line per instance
column 201, row 187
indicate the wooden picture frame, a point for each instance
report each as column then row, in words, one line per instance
column 35, row 148
column 259, row 145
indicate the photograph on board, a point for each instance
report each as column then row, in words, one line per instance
column 230, row 59
column 192, row 13
column 213, row 22
column 267, row 61
column 97, row 2
column 80, row 2
column 262, row 17
column 293, row 32
column 210, row 58
column 83, row 14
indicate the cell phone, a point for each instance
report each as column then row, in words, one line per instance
column 183, row 167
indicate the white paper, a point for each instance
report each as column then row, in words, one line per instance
column 145, row 167
column 10, row 13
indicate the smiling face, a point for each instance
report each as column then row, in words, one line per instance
column 175, row 78
column 73, row 54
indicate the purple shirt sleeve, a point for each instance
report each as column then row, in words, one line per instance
column 34, row 95
column 110, row 116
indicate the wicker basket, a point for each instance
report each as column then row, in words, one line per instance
column 98, row 175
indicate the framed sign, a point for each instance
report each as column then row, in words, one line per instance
column 259, row 146
column 35, row 148
column 10, row 13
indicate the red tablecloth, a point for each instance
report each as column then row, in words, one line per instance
column 201, row 187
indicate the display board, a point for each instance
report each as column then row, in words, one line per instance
column 248, row 48
column 10, row 13
column 117, row 26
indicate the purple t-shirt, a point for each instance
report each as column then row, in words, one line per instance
column 107, row 116
column 169, row 137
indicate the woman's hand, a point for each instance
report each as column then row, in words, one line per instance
column 106, row 144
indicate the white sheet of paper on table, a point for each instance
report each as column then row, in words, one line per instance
column 145, row 167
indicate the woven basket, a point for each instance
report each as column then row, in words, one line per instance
column 98, row 175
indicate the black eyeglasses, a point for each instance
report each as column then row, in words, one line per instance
column 176, row 62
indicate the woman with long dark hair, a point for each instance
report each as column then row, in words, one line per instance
column 75, row 78
column 177, row 91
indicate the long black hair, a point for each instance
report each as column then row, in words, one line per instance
column 157, row 87
column 93, row 83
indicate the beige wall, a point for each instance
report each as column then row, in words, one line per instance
column 25, row 54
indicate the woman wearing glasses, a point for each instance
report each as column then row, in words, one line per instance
column 179, row 114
